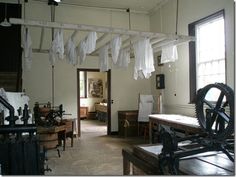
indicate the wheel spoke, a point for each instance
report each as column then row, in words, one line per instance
column 224, row 116
column 217, row 107
column 208, row 103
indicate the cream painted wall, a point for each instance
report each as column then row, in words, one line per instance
column 38, row 81
column 177, row 74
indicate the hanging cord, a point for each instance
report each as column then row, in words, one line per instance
column 128, row 10
column 52, row 19
column 177, row 17
column 176, row 32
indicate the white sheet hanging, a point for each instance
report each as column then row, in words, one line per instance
column 57, row 49
column 149, row 60
column 144, row 64
column 145, row 107
column 27, row 45
column 123, row 59
column 91, row 42
column 82, row 51
column 103, row 58
column 169, row 54
column 71, row 52
column 115, row 48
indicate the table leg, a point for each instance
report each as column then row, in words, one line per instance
column 64, row 140
column 126, row 166
column 150, row 131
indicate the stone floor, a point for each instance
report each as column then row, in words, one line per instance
column 94, row 153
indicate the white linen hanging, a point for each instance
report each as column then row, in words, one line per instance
column 103, row 58
column 144, row 62
column 91, row 42
column 27, row 44
column 169, row 54
column 123, row 59
column 149, row 61
column 115, row 48
column 71, row 52
column 57, row 49
column 82, row 51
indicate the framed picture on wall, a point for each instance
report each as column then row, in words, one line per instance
column 95, row 88
column 160, row 81
column 159, row 61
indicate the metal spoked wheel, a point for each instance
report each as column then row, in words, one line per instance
column 215, row 110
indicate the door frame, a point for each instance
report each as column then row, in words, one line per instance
column 108, row 98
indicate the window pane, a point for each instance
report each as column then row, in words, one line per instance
column 82, row 84
column 210, row 52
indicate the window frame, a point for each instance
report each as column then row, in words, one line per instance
column 85, row 84
column 192, row 53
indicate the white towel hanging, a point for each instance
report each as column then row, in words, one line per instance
column 27, row 49
column 144, row 62
column 103, row 58
column 82, row 51
column 57, row 49
column 71, row 52
column 115, row 48
column 123, row 59
column 169, row 54
column 91, row 42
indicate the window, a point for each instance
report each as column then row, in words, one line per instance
column 207, row 53
column 83, row 84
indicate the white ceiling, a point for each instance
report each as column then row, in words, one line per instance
column 141, row 6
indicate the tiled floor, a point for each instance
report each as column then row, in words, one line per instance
column 94, row 153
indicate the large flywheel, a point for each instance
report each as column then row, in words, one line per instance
column 215, row 110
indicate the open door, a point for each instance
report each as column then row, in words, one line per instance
column 108, row 97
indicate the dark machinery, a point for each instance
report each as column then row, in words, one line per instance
column 20, row 153
column 48, row 116
column 216, row 118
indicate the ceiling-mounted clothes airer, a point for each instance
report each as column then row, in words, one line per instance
column 5, row 22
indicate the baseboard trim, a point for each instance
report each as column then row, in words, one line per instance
column 114, row 133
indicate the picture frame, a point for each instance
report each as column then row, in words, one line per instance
column 95, row 88
column 160, row 81
column 159, row 61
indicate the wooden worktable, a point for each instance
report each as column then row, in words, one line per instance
column 185, row 123
column 145, row 161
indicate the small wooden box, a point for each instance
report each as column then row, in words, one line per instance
column 128, row 123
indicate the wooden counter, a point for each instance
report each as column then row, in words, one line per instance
column 145, row 161
column 185, row 123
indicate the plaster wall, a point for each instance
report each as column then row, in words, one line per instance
column 38, row 81
column 176, row 93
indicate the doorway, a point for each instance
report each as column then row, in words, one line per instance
column 92, row 91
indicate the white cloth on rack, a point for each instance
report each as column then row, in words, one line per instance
column 115, row 48
column 4, row 96
column 144, row 62
column 27, row 44
column 91, row 42
column 103, row 58
column 169, row 54
column 82, row 51
column 71, row 52
column 145, row 107
column 123, row 59
column 57, row 49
